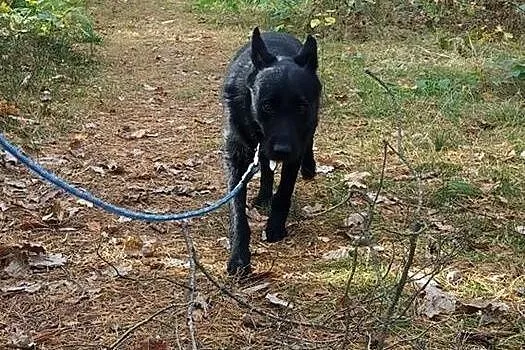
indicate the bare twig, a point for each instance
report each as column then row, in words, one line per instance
column 139, row 324
column 254, row 309
column 332, row 208
column 398, row 108
column 188, row 238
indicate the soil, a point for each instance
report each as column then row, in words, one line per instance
column 150, row 139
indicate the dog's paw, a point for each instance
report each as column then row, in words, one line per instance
column 275, row 233
column 239, row 267
column 308, row 169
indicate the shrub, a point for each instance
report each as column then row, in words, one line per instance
column 64, row 19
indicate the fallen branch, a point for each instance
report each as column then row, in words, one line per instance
column 139, row 324
column 188, row 239
column 254, row 309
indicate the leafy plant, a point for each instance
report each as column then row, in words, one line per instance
column 66, row 19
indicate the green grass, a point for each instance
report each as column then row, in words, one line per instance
column 33, row 64
column 461, row 109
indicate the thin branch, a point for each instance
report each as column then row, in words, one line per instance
column 398, row 108
column 139, row 324
column 332, row 208
column 188, row 238
column 254, row 309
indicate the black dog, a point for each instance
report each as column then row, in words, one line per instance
column 271, row 97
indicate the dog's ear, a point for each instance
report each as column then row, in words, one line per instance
column 261, row 58
column 307, row 57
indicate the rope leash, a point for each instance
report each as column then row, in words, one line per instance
column 120, row 211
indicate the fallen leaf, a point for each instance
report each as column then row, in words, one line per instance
column 84, row 203
column 275, row 300
column 26, row 287
column 324, row 169
column 382, row 199
column 123, row 219
column 50, row 260
column 256, row 288
column 309, row 210
column 138, row 134
column 453, row 277
column 177, row 263
column 224, row 242
column 133, row 245
column 435, row 302
column 3, row 206
column 341, row 253
column 149, row 87
column 123, row 270
column 443, row 227
column 355, row 219
column 21, row 340
column 97, row 169
column 149, row 246
column 356, row 179
column 200, row 307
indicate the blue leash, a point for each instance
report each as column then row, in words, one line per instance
column 111, row 208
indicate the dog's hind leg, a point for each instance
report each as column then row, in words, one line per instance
column 237, row 160
column 264, row 197
column 308, row 166
column 275, row 228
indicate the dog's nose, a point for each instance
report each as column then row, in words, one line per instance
column 282, row 149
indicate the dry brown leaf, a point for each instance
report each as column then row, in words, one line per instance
column 324, row 169
column 341, row 253
column 310, row 210
column 355, row 219
column 224, row 242
column 46, row 261
column 435, row 302
column 24, row 286
column 356, row 179
column 21, row 340
column 256, row 288
column 200, row 307
column 133, row 245
column 275, row 300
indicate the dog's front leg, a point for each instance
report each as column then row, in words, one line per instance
column 264, row 198
column 275, row 228
column 237, row 161
column 308, row 166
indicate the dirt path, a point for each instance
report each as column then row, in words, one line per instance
column 150, row 140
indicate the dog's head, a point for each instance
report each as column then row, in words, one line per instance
column 285, row 95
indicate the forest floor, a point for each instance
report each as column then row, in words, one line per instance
column 143, row 129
